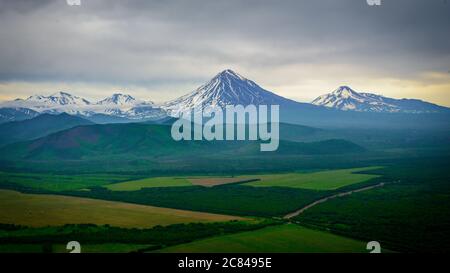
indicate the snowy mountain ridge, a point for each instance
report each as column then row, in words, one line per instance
column 118, row 105
column 346, row 99
column 226, row 88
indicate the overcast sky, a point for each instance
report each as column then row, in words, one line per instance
column 162, row 49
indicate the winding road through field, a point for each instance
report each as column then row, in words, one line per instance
column 300, row 211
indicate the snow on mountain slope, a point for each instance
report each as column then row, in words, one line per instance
column 15, row 114
column 118, row 105
column 226, row 88
column 345, row 98
column 60, row 98
column 126, row 106
column 56, row 103
column 122, row 100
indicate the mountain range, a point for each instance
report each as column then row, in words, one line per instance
column 118, row 107
column 16, row 113
column 345, row 98
column 63, row 130
column 343, row 107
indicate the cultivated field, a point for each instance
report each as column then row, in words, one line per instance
column 52, row 210
column 215, row 181
column 288, row 238
column 324, row 180
column 154, row 182
column 163, row 182
column 53, row 182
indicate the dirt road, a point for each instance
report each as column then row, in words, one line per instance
column 300, row 211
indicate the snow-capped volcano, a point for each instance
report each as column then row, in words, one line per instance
column 345, row 98
column 226, row 88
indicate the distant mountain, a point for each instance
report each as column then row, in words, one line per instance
column 229, row 87
column 39, row 126
column 57, row 99
column 345, row 98
column 17, row 113
column 60, row 102
column 125, row 108
column 226, row 88
column 117, row 108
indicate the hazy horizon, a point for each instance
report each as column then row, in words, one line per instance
column 126, row 92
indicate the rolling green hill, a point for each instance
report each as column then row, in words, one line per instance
column 39, row 126
column 134, row 141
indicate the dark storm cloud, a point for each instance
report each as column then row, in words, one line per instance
column 159, row 42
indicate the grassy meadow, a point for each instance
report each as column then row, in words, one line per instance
column 323, row 180
column 288, row 238
column 106, row 238
column 51, row 210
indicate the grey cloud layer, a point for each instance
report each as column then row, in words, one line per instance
column 160, row 42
